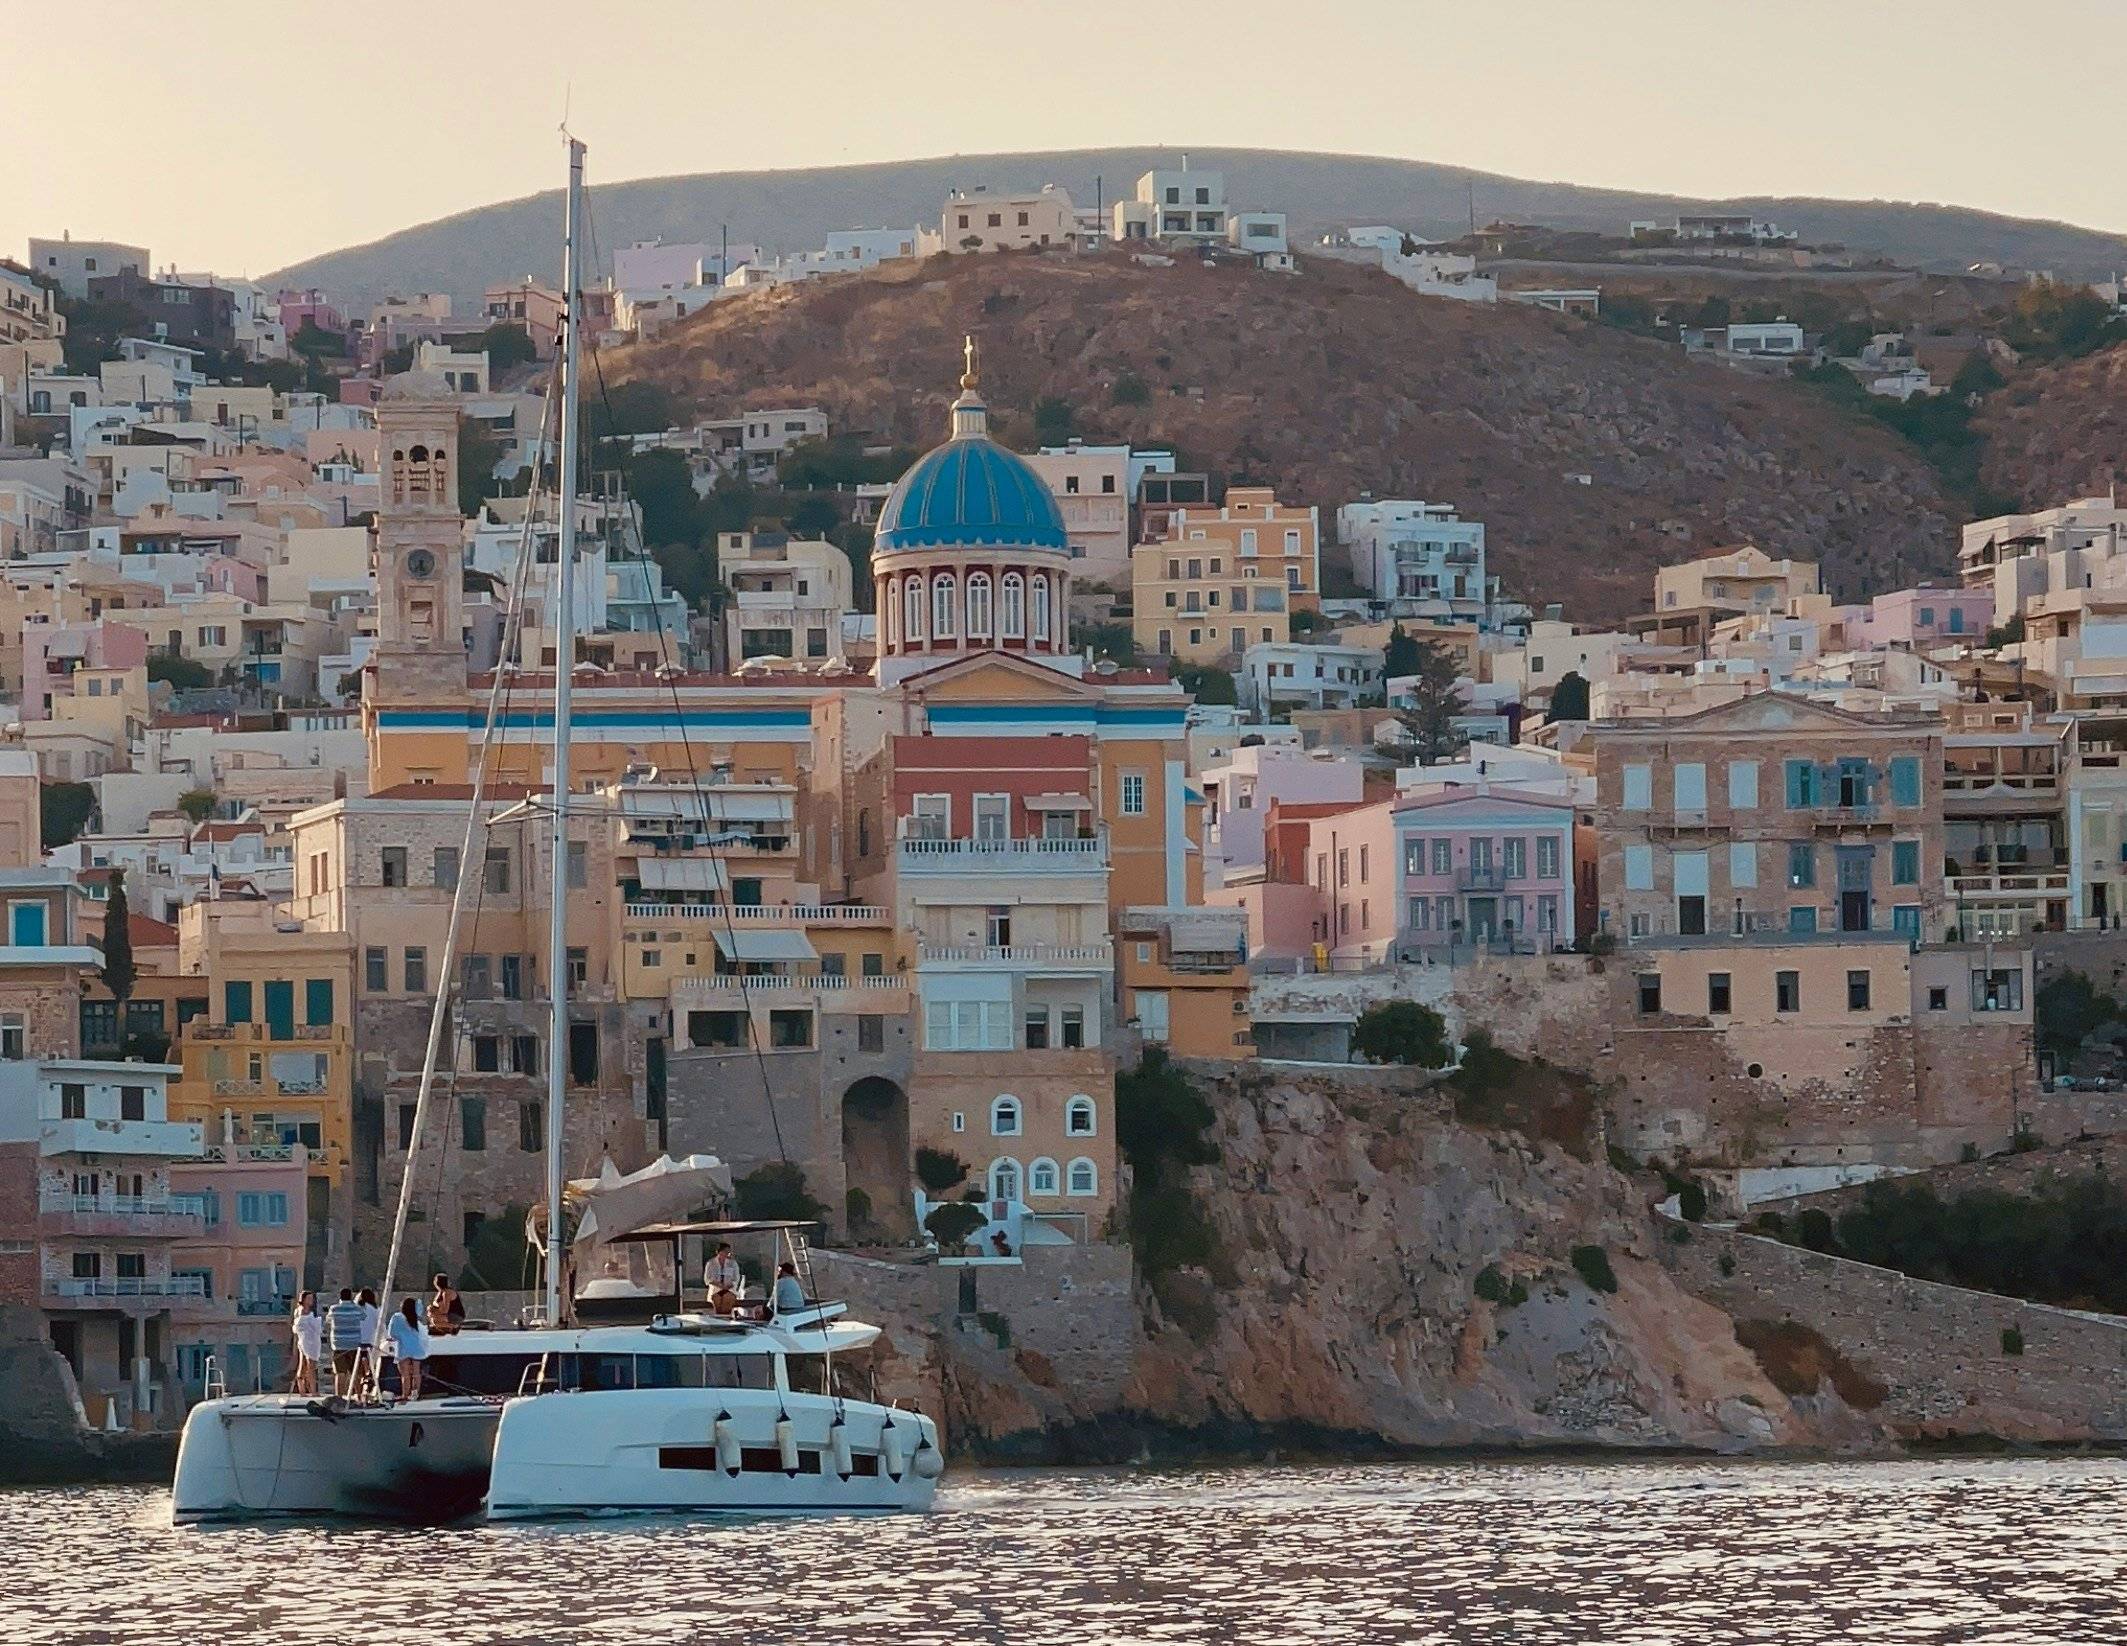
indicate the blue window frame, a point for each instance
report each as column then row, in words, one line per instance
column 26, row 925
column 1905, row 780
column 1802, row 918
column 1802, row 786
column 1905, row 862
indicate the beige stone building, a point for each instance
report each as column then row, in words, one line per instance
column 1224, row 579
column 1770, row 817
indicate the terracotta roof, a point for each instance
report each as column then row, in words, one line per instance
column 148, row 932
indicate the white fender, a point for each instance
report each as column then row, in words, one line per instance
column 929, row 1462
column 786, row 1443
column 838, row 1448
column 891, row 1451
column 726, row 1435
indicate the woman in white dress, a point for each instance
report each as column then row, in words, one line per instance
column 409, row 1346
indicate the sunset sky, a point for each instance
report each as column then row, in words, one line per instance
column 242, row 136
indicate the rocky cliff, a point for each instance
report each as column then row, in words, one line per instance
column 1379, row 1273
column 1394, row 1272
column 1591, row 455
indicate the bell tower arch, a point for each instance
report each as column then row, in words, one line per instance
column 420, row 652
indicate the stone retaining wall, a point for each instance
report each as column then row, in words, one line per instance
column 1937, row 1349
column 2013, row 1173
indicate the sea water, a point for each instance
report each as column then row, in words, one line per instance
column 2023, row 1552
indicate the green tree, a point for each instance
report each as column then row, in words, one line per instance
column 2070, row 1008
column 939, row 1169
column 507, row 344
column 313, row 342
column 1208, row 684
column 1592, row 1264
column 1306, row 621
column 1130, row 390
column 197, row 804
column 1053, row 419
column 1160, row 1126
column 776, row 1191
column 478, row 453
column 400, row 359
column 118, row 973
column 1402, row 1031
column 499, row 1257
column 1106, row 640
column 952, row 1223
column 1400, row 656
column 1432, row 701
column 181, row 672
column 629, row 408
column 64, row 811
column 1569, row 697
column 814, row 515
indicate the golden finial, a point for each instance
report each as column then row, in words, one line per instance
column 969, row 377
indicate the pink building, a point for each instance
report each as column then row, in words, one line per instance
column 247, row 1262
column 1916, row 619
column 1238, row 796
column 309, row 308
column 53, row 653
column 1351, row 864
column 1483, row 864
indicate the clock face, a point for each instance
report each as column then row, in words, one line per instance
column 421, row 564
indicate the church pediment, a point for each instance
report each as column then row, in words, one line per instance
column 996, row 677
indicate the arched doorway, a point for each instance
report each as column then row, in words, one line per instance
column 875, row 1160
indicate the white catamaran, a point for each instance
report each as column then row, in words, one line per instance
column 743, row 1411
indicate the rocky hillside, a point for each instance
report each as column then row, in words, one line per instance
column 1338, row 381
column 2058, row 431
column 788, row 210
column 1381, row 1269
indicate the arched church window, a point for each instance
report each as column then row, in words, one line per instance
column 912, row 609
column 1041, row 608
column 945, row 595
column 1014, row 593
column 978, row 605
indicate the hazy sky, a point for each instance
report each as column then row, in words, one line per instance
column 243, row 136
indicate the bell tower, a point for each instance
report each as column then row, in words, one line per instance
column 420, row 651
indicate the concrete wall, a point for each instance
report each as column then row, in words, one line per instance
column 1046, row 1342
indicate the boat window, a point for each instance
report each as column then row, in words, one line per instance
column 741, row 1372
column 807, row 1374
column 766, row 1460
column 671, row 1371
column 605, row 1371
column 477, row 1374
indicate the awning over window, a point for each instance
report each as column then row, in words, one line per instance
column 1059, row 803
column 682, row 874
column 750, row 943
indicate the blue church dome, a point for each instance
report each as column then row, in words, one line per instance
column 971, row 492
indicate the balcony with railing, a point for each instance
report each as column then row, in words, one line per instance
column 1066, row 854
column 117, row 1216
column 1051, row 957
column 146, row 1293
column 765, row 914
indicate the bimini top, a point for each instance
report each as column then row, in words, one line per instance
column 971, row 492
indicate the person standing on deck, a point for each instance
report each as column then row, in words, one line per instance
column 309, row 1343
column 343, row 1324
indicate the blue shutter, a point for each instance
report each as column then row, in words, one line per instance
column 1905, row 781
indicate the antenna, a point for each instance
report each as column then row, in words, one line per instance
column 1469, row 183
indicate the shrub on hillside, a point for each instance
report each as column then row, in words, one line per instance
column 1592, row 1264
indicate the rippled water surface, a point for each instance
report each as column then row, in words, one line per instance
column 2020, row 1553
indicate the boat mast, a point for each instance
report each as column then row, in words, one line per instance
column 564, row 671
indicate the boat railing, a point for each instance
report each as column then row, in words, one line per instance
column 213, row 1385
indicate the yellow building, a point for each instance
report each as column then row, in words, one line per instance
column 1184, row 979
column 1225, row 578
column 268, row 1067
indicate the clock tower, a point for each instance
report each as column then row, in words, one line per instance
column 420, row 651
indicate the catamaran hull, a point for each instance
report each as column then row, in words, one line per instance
column 261, row 1455
column 645, row 1450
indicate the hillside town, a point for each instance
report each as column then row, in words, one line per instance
column 935, row 788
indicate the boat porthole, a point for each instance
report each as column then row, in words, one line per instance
column 413, row 1435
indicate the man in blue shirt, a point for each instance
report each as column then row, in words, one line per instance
column 343, row 1328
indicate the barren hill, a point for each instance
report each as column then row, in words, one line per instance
column 788, row 210
column 1338, row 381
column 2058, row 431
